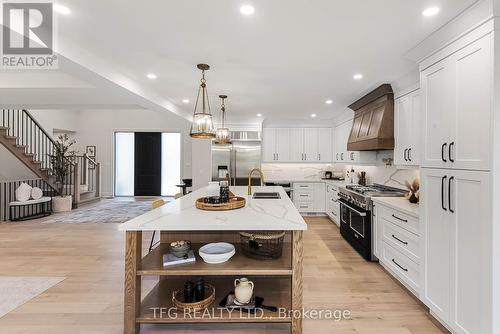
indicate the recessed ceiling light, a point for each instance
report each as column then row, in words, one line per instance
column 259, row 115
column 313, row 115
column 62, row 9
column 185, row 101
column 328, row 101
column 431, row 11
column 247, row 10
column 152, row 76
column 358, row 76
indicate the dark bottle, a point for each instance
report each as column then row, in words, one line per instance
column 224, row 192
column 199, row 290
column 188, row 292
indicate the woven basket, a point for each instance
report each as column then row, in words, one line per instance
column 178, row 296
column 262, row 245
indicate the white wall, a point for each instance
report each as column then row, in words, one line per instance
column 57, row 119
column 294, row 171
column 386, row 175
column 97, row 127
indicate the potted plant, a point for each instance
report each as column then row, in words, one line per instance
column 61, row 167
column 413, row 188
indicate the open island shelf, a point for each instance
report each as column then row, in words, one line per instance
column 275, row 290
column 239, row 264
column 278, row 281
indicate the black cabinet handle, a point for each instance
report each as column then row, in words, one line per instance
column 442, row 192
column 449, row 194
column 397, row 264
column 401, row 241
column 406, row 151
column 409, row 154
column 342, row 156
column 442, row 152
column 403, row 220
column 449, row 151
column 337, row 156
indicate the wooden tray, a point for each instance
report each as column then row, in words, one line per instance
column 235, row 202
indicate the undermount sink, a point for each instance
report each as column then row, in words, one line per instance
column 266, row 195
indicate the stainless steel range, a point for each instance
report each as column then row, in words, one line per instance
column 356, row 209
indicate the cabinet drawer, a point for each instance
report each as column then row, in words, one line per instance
column 401, row 219
column 405, row 269
column 303, row 186
column 305, row 206
column 334, row 215
column 404, row 241
column 303, row 196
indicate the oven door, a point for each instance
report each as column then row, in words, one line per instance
column 354, row 217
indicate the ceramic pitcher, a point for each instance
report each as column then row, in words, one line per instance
column 243, row 290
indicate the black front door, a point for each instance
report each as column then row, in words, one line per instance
column 147, row 175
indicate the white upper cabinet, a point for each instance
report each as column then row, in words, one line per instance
column 325, row 144
column 269, row 145
column 283, row 144
column 471, row 127
column 457, row 99
column 297, row 145
column 275, row 145
column 407, row 130
column 311, row 145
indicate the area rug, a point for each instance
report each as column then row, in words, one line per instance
column 15, row 291
column 105, row 211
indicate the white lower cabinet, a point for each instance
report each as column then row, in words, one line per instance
column 309, row 197
column 397, row 244
column 332, row 203
column 457, row 248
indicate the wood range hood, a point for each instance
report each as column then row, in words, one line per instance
column 373, row 125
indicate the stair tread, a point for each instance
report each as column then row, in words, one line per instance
column 3, row 128
column 11, row 137
column 21, row 146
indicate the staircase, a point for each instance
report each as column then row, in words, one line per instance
column 25, row 138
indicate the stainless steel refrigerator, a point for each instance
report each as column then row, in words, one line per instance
column 236, row 160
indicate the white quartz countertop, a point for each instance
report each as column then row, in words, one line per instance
column 399, row 203
column 258, row 214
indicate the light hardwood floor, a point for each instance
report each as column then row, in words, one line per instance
column 90, row 299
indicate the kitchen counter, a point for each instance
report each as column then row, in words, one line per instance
column 279, row 281
column 399, row 203
column 258, row 214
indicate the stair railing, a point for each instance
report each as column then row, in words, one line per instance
column 89, row 172
column 31, row 136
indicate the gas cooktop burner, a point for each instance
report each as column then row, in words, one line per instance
column 361, row 195
column 375, row 189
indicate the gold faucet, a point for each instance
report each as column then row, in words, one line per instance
column 250, row 179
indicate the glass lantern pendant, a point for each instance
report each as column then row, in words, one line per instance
column 202, row 126
column 223, row 136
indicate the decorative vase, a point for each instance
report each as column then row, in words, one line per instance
column 413, row 198
column 62, row 204
column 243, row 290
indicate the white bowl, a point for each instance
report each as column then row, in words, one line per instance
column 218, row 252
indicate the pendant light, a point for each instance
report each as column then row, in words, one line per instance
column 202, row 126
column 222, row 135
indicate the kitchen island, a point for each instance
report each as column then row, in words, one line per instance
column 278, row 281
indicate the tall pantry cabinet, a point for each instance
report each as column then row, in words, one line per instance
column 456, row 201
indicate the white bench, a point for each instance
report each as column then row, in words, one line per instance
column 33, row 208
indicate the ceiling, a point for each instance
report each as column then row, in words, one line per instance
column 283, row 62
